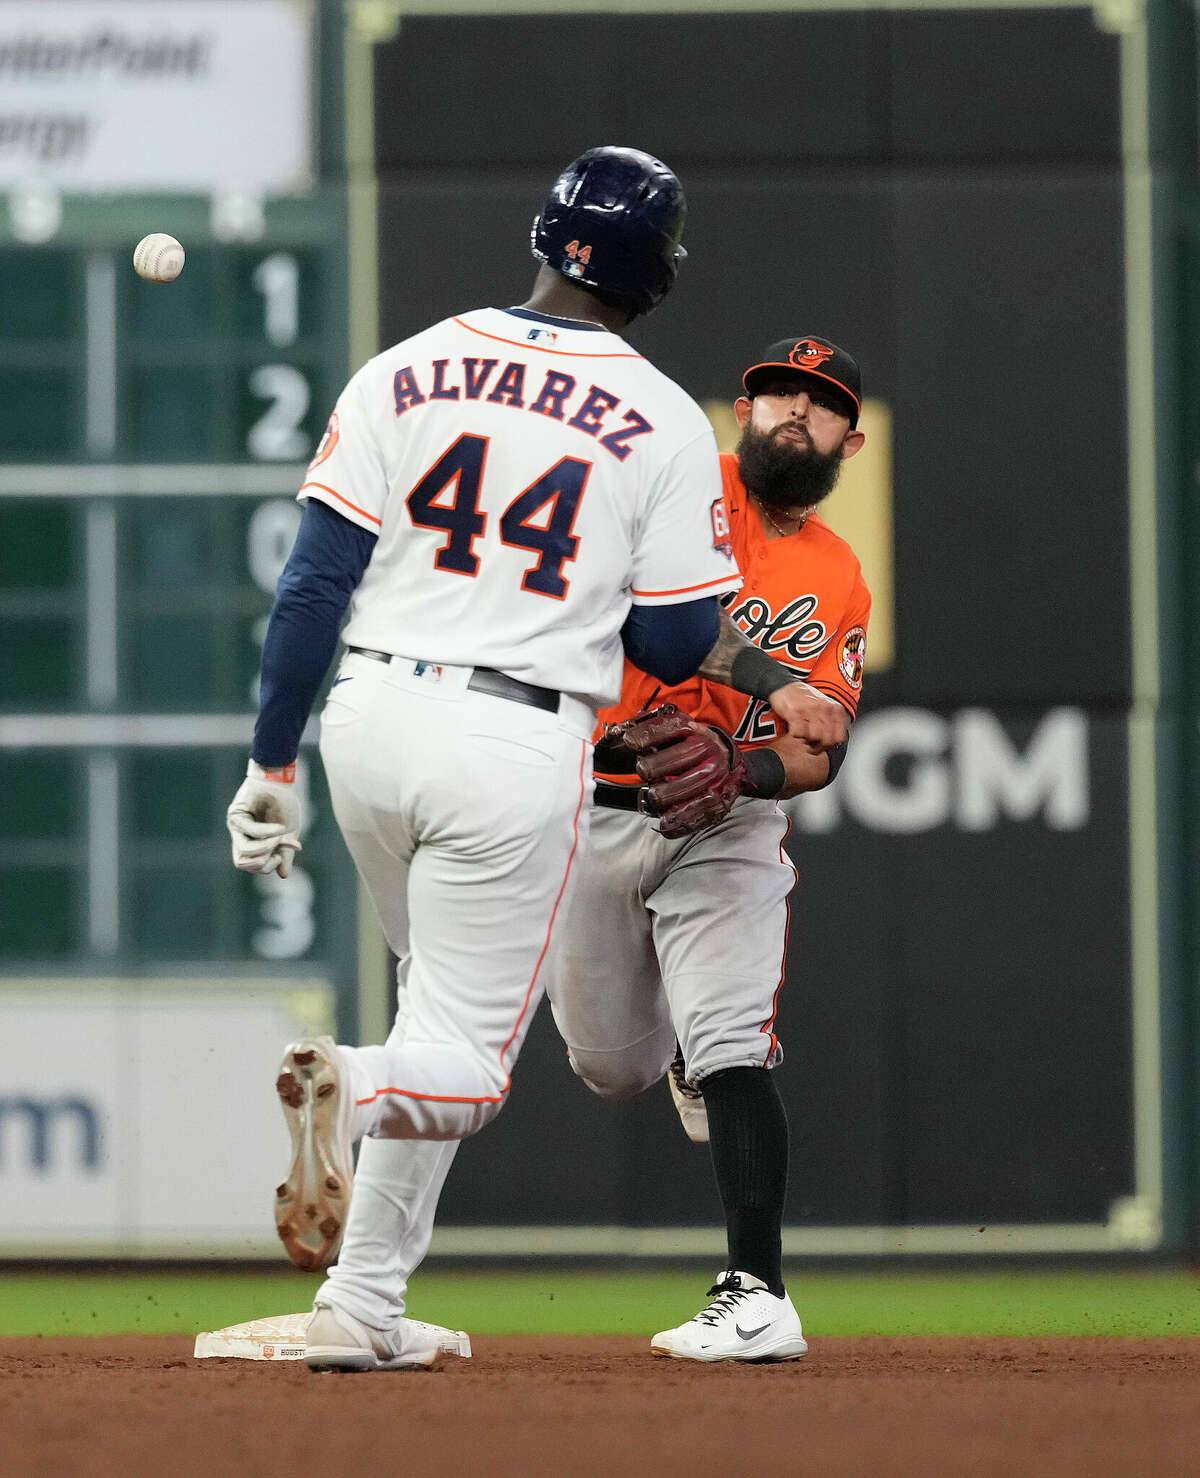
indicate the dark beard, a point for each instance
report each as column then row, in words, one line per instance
column 783, row 475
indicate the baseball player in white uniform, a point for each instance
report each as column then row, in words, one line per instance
column 507, row 501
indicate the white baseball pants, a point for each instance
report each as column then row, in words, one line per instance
column 463, row 813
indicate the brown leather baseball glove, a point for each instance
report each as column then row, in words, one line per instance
column 693, row 772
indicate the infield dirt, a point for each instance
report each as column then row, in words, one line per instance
column 586, row 1407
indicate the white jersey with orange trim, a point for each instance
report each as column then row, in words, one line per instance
column 527, row 481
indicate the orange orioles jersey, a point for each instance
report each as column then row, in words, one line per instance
column 803, row 600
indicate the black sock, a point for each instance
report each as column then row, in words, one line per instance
column 748, row 1137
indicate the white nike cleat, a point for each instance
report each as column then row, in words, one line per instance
column 689, row 1103
column 744, row 1321
column 337, row 1341
column 311, row 1204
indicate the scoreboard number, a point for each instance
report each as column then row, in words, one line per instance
column 279, row 435
column 277, row 278
column 270, row 535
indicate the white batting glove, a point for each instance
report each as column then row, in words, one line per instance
column 264, row 820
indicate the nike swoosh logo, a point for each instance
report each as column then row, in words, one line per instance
column 340, row 680
column 750, row 1333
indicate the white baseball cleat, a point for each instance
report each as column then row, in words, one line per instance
column 744, row 1321
column 689, row 1103
column 311, row 1204
column 337, row 1341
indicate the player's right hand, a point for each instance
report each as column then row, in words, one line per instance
column 264, row 821
column 819, row 721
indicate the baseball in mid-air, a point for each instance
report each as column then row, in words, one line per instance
column 158, row 257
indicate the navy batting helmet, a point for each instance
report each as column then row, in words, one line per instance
column 613, row 223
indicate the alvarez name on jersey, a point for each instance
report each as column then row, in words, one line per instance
column 527, row 480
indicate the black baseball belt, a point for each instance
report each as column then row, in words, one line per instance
column 620, row 797
column 488, row 680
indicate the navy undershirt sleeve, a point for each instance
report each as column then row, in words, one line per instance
column 670, row 642
column 326, row 563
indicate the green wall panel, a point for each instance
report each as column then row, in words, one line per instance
column 39, row 911
column 43, row 412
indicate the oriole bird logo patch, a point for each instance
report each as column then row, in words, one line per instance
column 807, row 354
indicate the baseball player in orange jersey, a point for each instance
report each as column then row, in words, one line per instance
column 507, row 501
column 672, row 954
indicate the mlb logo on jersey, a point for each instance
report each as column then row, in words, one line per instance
column 431, row 672
column 542, row 336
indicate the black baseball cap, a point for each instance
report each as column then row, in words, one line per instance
column 807, row 354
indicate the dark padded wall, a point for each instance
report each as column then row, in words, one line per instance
column 924, row 189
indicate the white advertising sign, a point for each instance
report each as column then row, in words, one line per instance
column 139, row 1120
column 206, row 96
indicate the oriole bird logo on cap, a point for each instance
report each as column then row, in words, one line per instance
column 807, row 354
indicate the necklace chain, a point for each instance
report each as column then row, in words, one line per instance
column 782, row 532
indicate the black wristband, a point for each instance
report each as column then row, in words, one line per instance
column 835, row 756
column 766, row 773
column 753, row 672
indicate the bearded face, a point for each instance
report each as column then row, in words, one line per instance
column 782, row 467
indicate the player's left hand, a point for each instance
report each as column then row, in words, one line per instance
column 693, row 771
column 819, row 721
column 264, row 821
